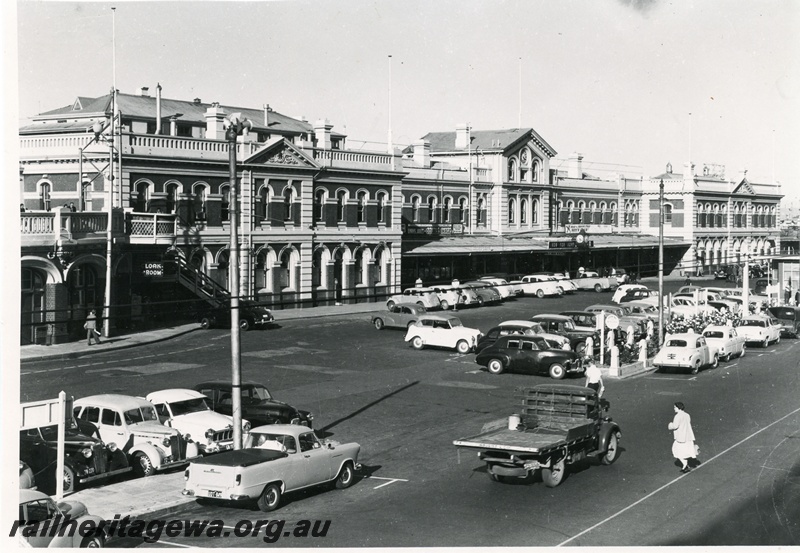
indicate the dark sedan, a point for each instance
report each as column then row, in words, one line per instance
column 527, row 354
column 251, row 314
column 565, row 326
column 258, row 405
column 401, row 315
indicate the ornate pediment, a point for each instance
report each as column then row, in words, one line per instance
column 744, row 187
column 281, row 152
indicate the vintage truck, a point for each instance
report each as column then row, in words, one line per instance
column 558, row 425
column 277, row 459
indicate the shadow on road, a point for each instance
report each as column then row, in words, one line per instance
column 362, row 409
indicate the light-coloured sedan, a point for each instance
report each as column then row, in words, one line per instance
column 445, row 331
column 727, row 341
column 686, row 351
column 540, row 286
column 760, row 329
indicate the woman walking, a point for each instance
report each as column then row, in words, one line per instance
column 683, row 447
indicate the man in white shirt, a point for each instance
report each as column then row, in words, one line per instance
column 594, row 378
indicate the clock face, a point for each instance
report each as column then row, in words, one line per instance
column 580, row 238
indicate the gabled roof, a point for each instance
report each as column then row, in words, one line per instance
column 496, row 140
column 279, row 151
column 744, row 187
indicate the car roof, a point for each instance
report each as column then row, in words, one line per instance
column 549, row 316
column 685, row 335
column 605, row 306
column 716, row 327
column 27, row 495
column 570, row 313
column 173, row 394
column 285, row 429
column 113, row 401
column 226, row 383
column 433, row 317
column 527, row 324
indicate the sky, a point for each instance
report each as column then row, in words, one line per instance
column 630, row 84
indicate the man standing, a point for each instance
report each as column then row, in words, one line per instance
column 91, row 327
column 594, row 379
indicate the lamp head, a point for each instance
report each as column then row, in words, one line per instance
column 97, row 128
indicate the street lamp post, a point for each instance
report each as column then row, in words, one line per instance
column 235, row 125
column 661, row 262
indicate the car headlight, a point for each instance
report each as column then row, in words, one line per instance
column 112, row 447
column 166, row 442
column 86, row 452
column 209, row 433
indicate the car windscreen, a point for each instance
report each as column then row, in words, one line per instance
column 752, row 322
column 50, row 432
column 133, row 416
column 255, row 394
column 194, row 405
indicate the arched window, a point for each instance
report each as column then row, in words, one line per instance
column 358, row 269
column 288, row 204
column 431, row 209
column 319, row 205
column 537, row 168
column 85, row 195
column 142, row 197
column 481, row 211
column 173, row 190
column 199, row 192
column 462, row 210
column 535, row 211
column 44, row 196
column 512, row 211
column 415, row 201
column 667, row 214
column 381, row 206
column 512, row 170
column 84, row 289
column 448, row 204
column 362, row 207
column 341, row 198
column 225, row 191
column 287, row 270
column 523, row 211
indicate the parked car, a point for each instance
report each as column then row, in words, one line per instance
column 258, row 404
column 132, row 423
column 686, row 351
column 188, row 411
column 648, row 310
column 445, row 331
column 789, row 318
column 591, row 280
column 760, row 329
column 38, row 512
column 726, row 340
column 584, row 320
column 641, row 295
column 564, row 326
column 509, row 282
column 527, row 328
column 251, row 315
column 424, row 297
column 86, row 458
column 505, row 288
column 278, row 459
column 525, row 354
column 623, row 289
column 569, row 286
column 456, row 296
column 725, row 306
column 686, row 306
column 401, row 315
column 540, row 286
column 27, row 481
column 621, row 275
column 626, row 318
column 487, row 293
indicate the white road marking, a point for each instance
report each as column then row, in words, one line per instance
column 476, row 371
column 668, row 484
column 390, row 481
column 174, row 544
column 144, row 369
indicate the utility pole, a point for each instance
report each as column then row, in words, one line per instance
column 661, row 262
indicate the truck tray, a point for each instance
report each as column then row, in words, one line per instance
column 535, row 440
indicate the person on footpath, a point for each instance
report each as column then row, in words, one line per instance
column 594, row 379
column 91, row 327
column 683, row 447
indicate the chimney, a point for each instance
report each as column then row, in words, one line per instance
column 322, row 131
column 197, row 101
column 144, row 91
column 575, row 164
column 173, row 125
column 158, row 108
column 215, row 116
column 267, row 110
column 462, row 136
column 422, row 153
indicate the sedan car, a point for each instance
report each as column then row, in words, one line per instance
column 37, row 512
column 258, row 404
column 251, row 315
column 401, row 315
column 686, row 351
column 789, row 317
column 564, row 326
column 760, row 329
column 526, row 354
column 727, row 341
column 424, row 297
column 444, row 331
column 540, row 286
column 527, row 328
column 487, row 293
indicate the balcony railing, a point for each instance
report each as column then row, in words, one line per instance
column 47, row 227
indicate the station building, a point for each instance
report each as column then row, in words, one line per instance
column 148, row 206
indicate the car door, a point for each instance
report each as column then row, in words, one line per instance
column 316, row 460
column 529, row 357
column 703, row 350
column 111, row 428
column 512, row 349
column 35, row 515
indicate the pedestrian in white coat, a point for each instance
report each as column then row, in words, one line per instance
column 683, row 447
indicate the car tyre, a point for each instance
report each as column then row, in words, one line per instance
column 480, row 301
column 93, row 541
column 744, row 348
column 142, row 465
column 778, row 340
column 69, row 479
column 497, row 477
column 715, row 362
column 560, row 291
column 444, row 305
column 417, row 342
column 580, row 348
column 270, row 498
column 765, row 343
column 557, row 371
column 696, row 367
column 244, row 324
column 205, row 323
column 462, row 346
column 540, row 293
column 346, row 476
column 612, row 449
column 421, row 304
column 553, row 476
column 495, row 366
column 378, row 322
column 390, row 305
column 598, row 288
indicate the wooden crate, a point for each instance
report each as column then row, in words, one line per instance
column 559, row 407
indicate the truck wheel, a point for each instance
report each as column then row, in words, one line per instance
column 69, row 479
column 346, row 477
column 462, row 346
column 142, row 465
column 270, row 498
column 557, row 371
column 553, row 476
column 417, row 342
column 715, row 362
column 540, row 293
column 696, row 367
column 495, row 366
column 93, row 541
column 444, row 305
column 378, row 322
column 612, row 452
